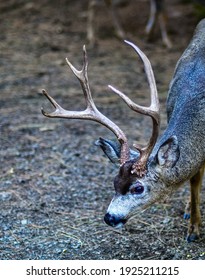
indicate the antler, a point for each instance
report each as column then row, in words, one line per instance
column 91, row 112
column 139, row 167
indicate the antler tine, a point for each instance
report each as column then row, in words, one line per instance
column 58, row 109
column 91, row 112
column 153, row 111
column 154, row 107
column 83, row 77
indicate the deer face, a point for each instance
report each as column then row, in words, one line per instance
column 133, row 194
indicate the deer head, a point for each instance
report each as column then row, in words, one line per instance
column 131, row 187
column 135, row 192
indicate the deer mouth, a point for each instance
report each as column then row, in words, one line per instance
column 120, row 225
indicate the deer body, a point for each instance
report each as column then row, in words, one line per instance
column 155, row 171
column 186, row 111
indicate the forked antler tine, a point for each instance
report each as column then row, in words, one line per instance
column 151, row 80
column 152, row 111
column 82, row 76
column 91, row 112
column 58, row 109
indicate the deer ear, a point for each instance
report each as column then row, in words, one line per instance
column 112, row 149
column 168, row 153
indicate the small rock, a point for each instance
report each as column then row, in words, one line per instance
column 24, row 222
column 5, row 196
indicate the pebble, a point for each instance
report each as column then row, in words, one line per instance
column 5, row 196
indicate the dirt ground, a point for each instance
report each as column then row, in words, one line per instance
column 55, row 184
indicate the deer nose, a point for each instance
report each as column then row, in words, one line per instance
column 113, row 221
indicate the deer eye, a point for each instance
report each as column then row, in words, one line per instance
column 137, row 189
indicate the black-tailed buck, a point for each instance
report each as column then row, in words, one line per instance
column 155, row 171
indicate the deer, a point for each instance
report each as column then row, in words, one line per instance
column 151, row 173
column 157, row 14
column 91, row 38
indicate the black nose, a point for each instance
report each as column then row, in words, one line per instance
column 113, row 220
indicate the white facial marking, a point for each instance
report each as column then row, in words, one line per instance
column 125, row 206
column 122, row 205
